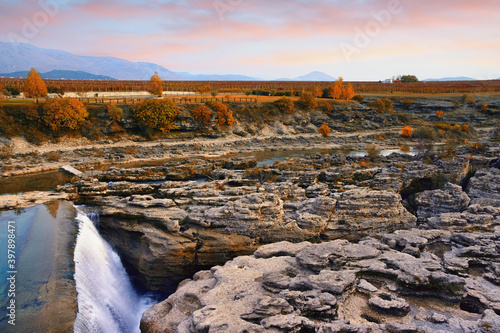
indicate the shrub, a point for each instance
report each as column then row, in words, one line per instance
column 202, row 114
column 439, row 114
column 382, row 105
column 456, row 103
column 444, row 127
column 6, row 151
column 224, row 115
column 407, row 103
column 447, row 150
column 326, row 107
column 324, row 130
column 308, row 100
column 157, row 113
column 90, row 130
column 64, row 114
column 34, row 136
column 214, row 93
column 424, row 132
column 284, row 104
column 358, row 98
column 115, row 112
column 485, row 107
column 389, row 105
column 372, row 150
column 477, row 148
column 261, row 174
column 378, row 105
column 471, row 101
column 53, row 156
column 407, row 131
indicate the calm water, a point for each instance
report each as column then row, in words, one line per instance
column 44, row 289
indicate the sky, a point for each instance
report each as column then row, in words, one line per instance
column 359, row 40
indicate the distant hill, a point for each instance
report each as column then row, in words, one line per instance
column 19, row 57
column 56, row 74
column 217, row 77
column 15, row 57
column 459, row 78
column 315, row 76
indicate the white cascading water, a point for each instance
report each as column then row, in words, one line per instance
column 107, row 302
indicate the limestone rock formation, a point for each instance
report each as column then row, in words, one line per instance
column 341, row 286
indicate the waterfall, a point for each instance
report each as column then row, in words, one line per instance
column 107, row 301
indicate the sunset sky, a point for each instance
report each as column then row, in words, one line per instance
column 356, row 39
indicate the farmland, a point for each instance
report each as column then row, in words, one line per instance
column 266, row 87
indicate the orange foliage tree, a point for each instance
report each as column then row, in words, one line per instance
column 155, row 85
column 34, row 86
column 202, row 114
column 439, row 114
column 339, row 91
column 336, row 89
column 157, row 113
column 348, row 92
column 64, row 113
column 324, row 130
column 407, row 131
column 204, row 89
column 224, row 115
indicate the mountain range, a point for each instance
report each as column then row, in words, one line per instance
column 459, row 78
column 57, row 64
column 57, row 74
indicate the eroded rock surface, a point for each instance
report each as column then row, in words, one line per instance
column 339, row 286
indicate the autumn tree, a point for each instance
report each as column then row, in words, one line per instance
column 336, row 89
column 202, row 114
column 324, row 130
column 155, row 85
column 318, row 92
column 340, row 91
column 64, row 114
column 157, row 113
column 284, row 104
column 348, row 92
column 203, row 89
column 409, row 79
column 34, row 86
column 224, row 115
